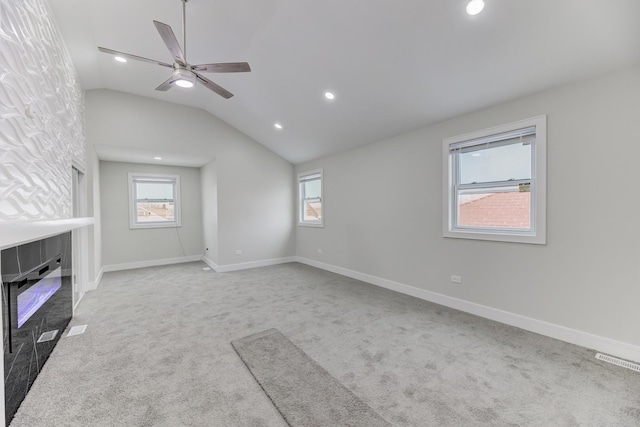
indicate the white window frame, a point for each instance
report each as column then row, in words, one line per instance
column 151, row 177
column 538, row 187
column 306, row 176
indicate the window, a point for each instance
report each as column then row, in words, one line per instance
column 154, row 200
column 495, row 183
column 311, row 199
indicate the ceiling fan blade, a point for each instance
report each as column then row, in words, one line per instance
column 166, row 85
column 228, row 67
column 171, row 41
column 136, row 57
column 214, row 87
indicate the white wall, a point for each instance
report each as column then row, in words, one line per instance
column 209, row 185
column 124, row 247
column 42, row 121
column 383, row 214
column 41, row 118
column 41, row 104
column 254, row 191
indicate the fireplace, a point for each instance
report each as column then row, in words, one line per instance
column 37, row 306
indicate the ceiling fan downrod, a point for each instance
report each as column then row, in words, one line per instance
column 184, row 28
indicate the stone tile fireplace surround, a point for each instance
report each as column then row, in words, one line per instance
column 37, row 305
column 36, row 268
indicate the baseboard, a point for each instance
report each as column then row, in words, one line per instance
column 75, row 306
column 218, row 268
column 210, row 263
column 92, row 286
column 246, row 265
column 583, row 339
column 150, row 263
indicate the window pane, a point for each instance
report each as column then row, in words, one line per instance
column 154, row 190
column 312, row 210
column 496, row 164
column 312, row 189
column 510, row 210
column 155, row 212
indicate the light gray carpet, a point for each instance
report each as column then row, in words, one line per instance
column 156, row 353
column 305, row 394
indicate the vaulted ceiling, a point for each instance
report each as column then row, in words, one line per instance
column 393, row 65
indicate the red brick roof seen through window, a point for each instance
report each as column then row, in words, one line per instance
column 497, row 210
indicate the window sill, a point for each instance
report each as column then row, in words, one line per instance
column 154, row 225
column 311, row 224
column 509, row 237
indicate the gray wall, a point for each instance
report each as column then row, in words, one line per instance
column 254, row 191
column 121, row 245
column 209, row 184
column 383, row 213
column 93, row 210
column 255, row 206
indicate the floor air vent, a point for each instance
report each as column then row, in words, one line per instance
column 77, row 330
column 619, row 362
column 48, row 336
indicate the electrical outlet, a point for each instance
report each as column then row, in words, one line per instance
column 238, row 251
column 456, row 279
column 319, row 250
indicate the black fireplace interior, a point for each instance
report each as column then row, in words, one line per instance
column 37, row 306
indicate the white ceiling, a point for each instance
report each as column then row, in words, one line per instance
column 393, row 65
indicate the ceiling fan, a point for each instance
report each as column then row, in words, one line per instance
column 184, row 74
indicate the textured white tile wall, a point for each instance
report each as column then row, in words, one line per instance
column 41, row 114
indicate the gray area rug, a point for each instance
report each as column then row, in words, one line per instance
column 304, row 392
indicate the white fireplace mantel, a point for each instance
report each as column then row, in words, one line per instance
column 14, row 233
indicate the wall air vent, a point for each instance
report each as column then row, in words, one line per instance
column 619, row 362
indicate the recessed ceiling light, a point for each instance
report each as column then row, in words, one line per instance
column 120, row 59
column 277, row 126
column 157, row 158
column 474, row 7
column 329, row 95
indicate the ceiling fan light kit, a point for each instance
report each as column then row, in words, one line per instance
column 184, row 78
column 184, row 74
